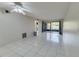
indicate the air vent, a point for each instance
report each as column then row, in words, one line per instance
column 24, row 35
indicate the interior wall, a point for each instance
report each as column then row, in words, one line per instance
column 13, row 25
column 71, row 26
column 71, row 21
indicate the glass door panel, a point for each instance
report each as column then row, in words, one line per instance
column 48, row 26
column 54, row 25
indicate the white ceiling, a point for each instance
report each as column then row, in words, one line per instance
column 43, row 10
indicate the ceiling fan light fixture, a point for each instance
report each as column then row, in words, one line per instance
column 18, row 9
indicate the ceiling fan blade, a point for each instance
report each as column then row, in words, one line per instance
column 26, row 10
column 18, row 3
column 18, row 7
column 11, row 3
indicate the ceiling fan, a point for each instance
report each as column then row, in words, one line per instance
column 19, row 8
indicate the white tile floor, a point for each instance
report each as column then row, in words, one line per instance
column 49, row 44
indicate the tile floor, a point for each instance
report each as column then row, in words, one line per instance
column 49, row 44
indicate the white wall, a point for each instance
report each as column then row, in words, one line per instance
column 71, row 22
column 71, row 26
column 13, row 25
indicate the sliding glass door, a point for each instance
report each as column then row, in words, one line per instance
column 53, row 26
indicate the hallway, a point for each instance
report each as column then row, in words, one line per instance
column 49, row 44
